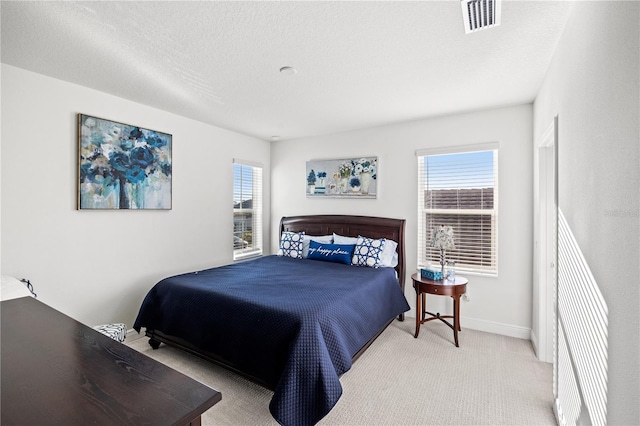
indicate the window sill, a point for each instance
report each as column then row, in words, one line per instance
column 478, row 274
column 238, row 257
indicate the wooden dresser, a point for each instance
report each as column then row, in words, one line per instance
column 57, row 371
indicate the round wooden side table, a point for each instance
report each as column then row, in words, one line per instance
column 454, row 289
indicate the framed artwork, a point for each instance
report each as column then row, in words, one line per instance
column 122, row 166
column 343, row 178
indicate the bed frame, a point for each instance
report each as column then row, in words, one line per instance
column 350, row 226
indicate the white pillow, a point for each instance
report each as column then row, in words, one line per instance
column 388, row 257
column 341, row 239
column 12, row 288
column 325, row 239
column 291, row 244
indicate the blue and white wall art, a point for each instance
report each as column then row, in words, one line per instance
column 343, row 178
column 122, row 166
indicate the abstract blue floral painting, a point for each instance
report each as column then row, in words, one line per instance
column 122, row 166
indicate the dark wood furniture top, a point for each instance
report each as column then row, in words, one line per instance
column 455, row 289
column 56, row 370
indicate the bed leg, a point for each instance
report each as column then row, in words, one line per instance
column 154, row 343
column 401, row 317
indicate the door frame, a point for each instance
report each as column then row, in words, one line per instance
column 546, row 243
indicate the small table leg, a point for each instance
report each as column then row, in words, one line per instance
column 418, row 313
column 456, row 318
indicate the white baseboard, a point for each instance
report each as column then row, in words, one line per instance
column 133, row 335
column 557, row 410
column 490, row 327
column 534, row 342
column 496, row 328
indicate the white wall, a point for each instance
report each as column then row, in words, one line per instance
column 502, row 304
column 593, row 86
column 96, row 266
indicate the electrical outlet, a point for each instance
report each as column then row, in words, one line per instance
column 466, row 297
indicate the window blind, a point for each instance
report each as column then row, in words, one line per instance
column 247, row 209
column 460, row 189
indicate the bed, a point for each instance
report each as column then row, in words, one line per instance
column 293, row 325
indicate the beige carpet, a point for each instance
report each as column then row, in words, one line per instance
column 399, row 380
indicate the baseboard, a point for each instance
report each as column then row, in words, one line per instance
column 534, row 343
column 133, row 335
column 496, row 328
column 557, row 410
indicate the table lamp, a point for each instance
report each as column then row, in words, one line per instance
column 442, row 239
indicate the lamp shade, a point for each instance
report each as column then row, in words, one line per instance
column 442, row 238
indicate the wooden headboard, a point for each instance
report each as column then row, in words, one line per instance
column 351, row 226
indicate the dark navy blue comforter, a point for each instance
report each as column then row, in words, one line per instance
column 293, row 323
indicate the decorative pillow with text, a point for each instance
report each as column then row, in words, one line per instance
column 327, row 239
column 339, row 253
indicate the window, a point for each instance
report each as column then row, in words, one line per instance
column 459, row 188
column 247, row 210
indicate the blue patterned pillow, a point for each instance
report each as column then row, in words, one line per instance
column 291, row 244
column 368, row 252
column 339, row 253
column 115, row 331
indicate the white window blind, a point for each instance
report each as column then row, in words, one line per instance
column 247, row 210
column 459, row 188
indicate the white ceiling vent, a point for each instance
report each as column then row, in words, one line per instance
column 480, row 14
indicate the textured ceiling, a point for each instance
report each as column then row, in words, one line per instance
column 360, row 64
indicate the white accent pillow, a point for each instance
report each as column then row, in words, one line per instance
column 389, row 256
column 291, row 244
column 325, row 239
column 13, row 288
column 341, row 239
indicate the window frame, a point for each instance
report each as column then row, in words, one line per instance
column 425, row 255
column 255, row 247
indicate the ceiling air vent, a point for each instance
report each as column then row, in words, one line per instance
column 480, row 14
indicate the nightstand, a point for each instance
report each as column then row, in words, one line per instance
column 454, row 289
